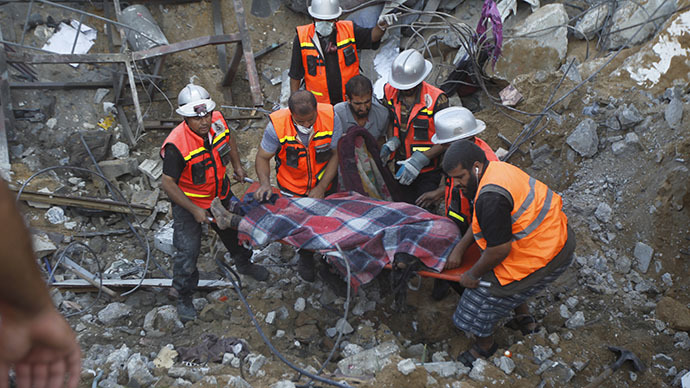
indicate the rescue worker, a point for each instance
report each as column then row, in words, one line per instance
column 195, row 154
column 525, row 239
column 303, row 140
column 360, row 109
column 324, row 53
column 454, row 124
column 35, row 339
column 413, row 103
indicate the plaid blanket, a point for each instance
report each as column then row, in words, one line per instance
column 369, row 231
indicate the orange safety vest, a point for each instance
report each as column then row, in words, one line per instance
column 203, row 177
column 458, row 207
column 420, row 123
column 298, row 168
column 315, row 64
column 540, row 228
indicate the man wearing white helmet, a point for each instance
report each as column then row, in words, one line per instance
column 454, row 124
column 413, row 103
column 195, row 154
column 324, row 52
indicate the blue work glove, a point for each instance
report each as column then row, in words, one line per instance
column 410, row 168
column 388, row 148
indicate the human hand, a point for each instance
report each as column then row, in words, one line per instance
column 317, row 192
column 200, row 215
column 239, row 174
column 42, row 348
column 387, row 20
column 429, row 198
column 468, row 281
column 411, row 167
column 263, row 193
column 387, row 149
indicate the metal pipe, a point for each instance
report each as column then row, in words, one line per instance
column 26, row 22
column 76, row 36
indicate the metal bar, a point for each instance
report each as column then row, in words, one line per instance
column 26, row 21
column 76, row 36
column 86, row 203
column 254, row 86
column 88, row 276
column 79, row 283
column 234, row 65
column 151, row 90
column 267, row 50
column 61, row 85
column 122, row 118
column 185, row 45
column 135, row 98
column 6, row 115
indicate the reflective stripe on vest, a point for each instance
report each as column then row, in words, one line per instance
column 421, row 110
column 345, row 40
column 303, row 172
column 539, row 226
column 194, row 153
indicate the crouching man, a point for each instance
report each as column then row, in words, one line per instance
column 194, row 158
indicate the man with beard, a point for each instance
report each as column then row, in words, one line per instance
column 361, row 110
column 525, row 239
column 413, row 103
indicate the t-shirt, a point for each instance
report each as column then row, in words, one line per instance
column 333, row 78
column 493, row 214
column 376, row 124
column 270, row 142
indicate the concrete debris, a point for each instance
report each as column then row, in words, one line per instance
column 510, row 96
column 603, row 212
column 283, row 384
column 506, row 364
column 344, row 326
column 120, row 150
column 540, row 43
column 674, row 313
column 478, row 372
column 370, row 361
column 542, row 353
column 625, row 117
column 592, row 21
column 148, row 198
column 152, row 168
column 300, row 304
column 576, row 320
column 163, row 239
column 118, row 358
column 42, row 245
column 161, row 321
column 114, row 312
column 573, row 73
column 446, row 368
column 113, row 169
column 584, row 139
column 674, row 113
column 237, row 382
column 643, row 253
column 100, row 95
column 138, row 372
column 406, row 366
column 166, row 357
column 351, row 350
column 56, row 215
column 631, row 23
column 190, row 374
column 255, row 361
column 270, row 317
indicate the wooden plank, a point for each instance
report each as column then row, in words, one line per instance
column 220, row 49
column 6, row 115
column 115, row 283
column 88, row 203
column 252, row 74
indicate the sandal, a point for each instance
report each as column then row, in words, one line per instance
column 467, row 358
column 521, row 322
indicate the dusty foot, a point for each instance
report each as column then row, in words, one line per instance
column 224, row 219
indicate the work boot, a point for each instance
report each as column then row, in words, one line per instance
column 185, row 309
column 305, row 266
column 246, row 267
column 335, row 282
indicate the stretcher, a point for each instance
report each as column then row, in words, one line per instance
column 469, row 258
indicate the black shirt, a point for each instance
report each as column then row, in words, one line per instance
column 333, row 79
column 173, row 162
column 493, row 214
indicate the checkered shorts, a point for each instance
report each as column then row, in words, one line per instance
column 478, row 310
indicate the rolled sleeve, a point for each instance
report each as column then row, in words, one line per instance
column 270, row 142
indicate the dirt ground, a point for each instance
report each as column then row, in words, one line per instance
column 631, row 183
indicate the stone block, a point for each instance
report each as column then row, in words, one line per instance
column 643, row 253
column 113, row 169
column 152, row 168
column 584, row 139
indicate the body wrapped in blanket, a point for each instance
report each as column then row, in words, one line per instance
column 367, row 230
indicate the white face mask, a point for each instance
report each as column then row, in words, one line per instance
column 304, row 130
column 323, row 28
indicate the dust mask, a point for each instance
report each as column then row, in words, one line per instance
column 304, row 130
column 323, row 28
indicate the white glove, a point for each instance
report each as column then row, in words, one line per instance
column 388, row 148
column 410, row 168
column 386, row 21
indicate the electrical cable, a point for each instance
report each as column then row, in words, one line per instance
column 228, row 272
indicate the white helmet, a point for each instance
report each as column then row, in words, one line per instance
column 455, row 123
column 325, row 9
column 408, row 70
column 194, row 101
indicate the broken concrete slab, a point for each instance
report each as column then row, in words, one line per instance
column 591, row 22
column 152, row 168
column 113, row 169
column 539, row 43
column 584, row 139
column 369, row 361
column 628, row 24
column 148, row 198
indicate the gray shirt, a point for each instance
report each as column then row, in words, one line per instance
column 377, row 122
column 270, row 142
